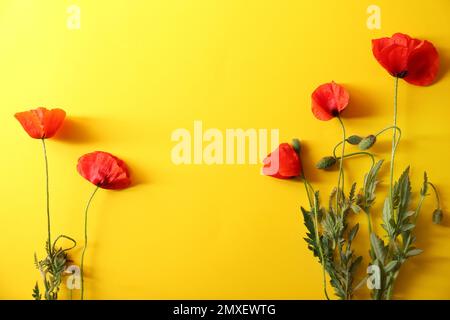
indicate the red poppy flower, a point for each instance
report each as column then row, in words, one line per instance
column 104, row 170
column 41, row 123
column 417, row 61
column 328, row 100
column 282, row 163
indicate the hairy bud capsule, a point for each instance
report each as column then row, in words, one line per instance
column 296, row 145
column 354, row 140
column 326, row 162
column 437, row 216
column 367, row 142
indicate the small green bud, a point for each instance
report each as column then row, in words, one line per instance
column 296, row 145
column 354, row 140
column 437, row 216
column 326, row 162
column 367, row 142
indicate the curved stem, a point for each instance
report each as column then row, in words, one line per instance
column 341, row 171
column 360, row 154
column 85, row 241
column 419, row 208
column 376, row 135
column 438, row 200
column 387, row 128
column 49, row 240
column 335, row 148
column 394, row 145
column 74, row 243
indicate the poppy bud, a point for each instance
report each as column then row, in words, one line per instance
column 326, row 162
column 354, row 140
column 367, row 142
column 296, row 145
column 437, row 216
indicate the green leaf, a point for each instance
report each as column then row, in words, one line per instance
column 407, row 227
column 356, row 208
column 390, row 266
column 378, row 247
column 402, row 193
column 36, row 294
column 366, row 197
column 424, row 190
column 36, row 261
column 353, row 232
column 355, row 264
column 351, row 196
column 409, row 214
column 414, row 252
column 388, row 219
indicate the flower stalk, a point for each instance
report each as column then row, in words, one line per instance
column 49, row 239
column 394, row 144
column 85, row 239
column 340, row 184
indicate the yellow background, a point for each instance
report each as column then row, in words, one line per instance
column 137, row 70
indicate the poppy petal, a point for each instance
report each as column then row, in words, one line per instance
column 104, row 170
column 52, row 121
column 282, row 163
column 394, row 59
column 31, row 124
column 403, row 56
column 41, row 123
column 328, row 100
column 423, row 65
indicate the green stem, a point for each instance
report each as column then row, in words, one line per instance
column 394, row 144
column 390, row 289
column 376, row 135
column 388, row 128
column 312, row 204
column 307, row 188
column 335, row 148
column 369, row 219
column 419, row 207
column 85, row 240
column 438, row 200
column 319, row 243
column 48, row 198
column 340, row 186
column 360, row 154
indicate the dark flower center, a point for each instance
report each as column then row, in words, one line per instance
column 402, row 74
column 334, row 112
